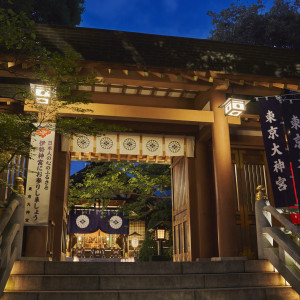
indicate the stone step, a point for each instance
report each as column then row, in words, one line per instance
column 117, row 268
column 265, row 293
column 141, row 282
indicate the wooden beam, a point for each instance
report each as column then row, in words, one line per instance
column 111, row 111
column 221, row 86
column 138, row 78
column 158, row 83
column 11, row 64
column 292, row 87
column 234, row 120
column 256, row 90
column 7, row 100
column 256, row 78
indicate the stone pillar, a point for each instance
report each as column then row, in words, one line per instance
column 225, row 206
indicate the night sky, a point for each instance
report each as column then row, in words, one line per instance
column 185, row 18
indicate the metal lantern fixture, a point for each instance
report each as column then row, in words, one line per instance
column 43, row 94
column 160, row 231
column 134, row 241
column 234, row 107
column 160, row 234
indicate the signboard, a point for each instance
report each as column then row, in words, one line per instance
column 277, row 153
column 39, row 176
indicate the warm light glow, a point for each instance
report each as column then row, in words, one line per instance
column 234, row 107
column 134, row 242
column 42, row 93
column 160, row 234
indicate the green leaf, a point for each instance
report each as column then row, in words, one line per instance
column 10, row 12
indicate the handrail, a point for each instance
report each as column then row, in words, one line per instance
column 274, row 244
column 11, row 235
column 8, row 214
column 284, row 221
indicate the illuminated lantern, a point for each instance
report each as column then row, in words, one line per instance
column 234, row 107
column 42, row 94
column 160, row 231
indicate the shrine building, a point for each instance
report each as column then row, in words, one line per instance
column 168, row 91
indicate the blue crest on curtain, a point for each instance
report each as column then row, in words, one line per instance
column 89, row 221
column 82, row 221
column 113, row 223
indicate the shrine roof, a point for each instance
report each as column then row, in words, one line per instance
column 149, row 50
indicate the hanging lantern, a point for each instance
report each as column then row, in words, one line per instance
column 42, row 94
column 234, row 107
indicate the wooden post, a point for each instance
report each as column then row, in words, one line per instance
column 206, row 208
column 35, row 240
column 225, row 206
column 59, row 195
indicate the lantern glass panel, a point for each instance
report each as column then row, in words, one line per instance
column 228, row 108
column 160, row 234
column 235, row 113
column 135, row 242
column 238, row 105
column 42, row 93
column 40, row 100
column 234, row 107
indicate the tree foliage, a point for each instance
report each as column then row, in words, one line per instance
column 54, row 12
column 59, row 71
column 148, row 248
column 253, row 24
column 146, row 186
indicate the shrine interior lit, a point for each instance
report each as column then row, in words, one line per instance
column 99, row 245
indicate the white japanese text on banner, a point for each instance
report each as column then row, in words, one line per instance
column 39, row 177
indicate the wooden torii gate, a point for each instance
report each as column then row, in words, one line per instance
column 152, row 91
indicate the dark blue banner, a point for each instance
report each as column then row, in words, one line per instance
column 82, row 221
column 88, row 221
column 113, row 223
column 270, row 111
column 291, row 114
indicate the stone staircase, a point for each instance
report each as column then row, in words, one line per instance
column 218, row 280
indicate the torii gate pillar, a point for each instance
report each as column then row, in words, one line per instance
column 225, row 206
